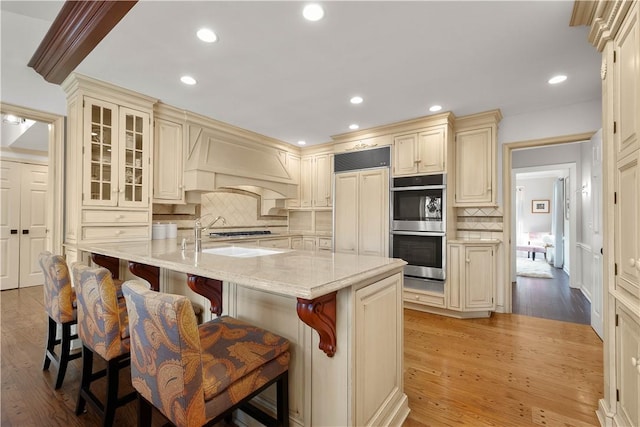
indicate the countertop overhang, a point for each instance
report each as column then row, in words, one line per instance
column 296, row 273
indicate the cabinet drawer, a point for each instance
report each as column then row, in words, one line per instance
column 324, row 243
column 424, row 298
column 114, row 217
column 275, row 243
column 116, row 233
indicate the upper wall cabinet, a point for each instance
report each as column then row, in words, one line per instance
column 421, row 153
column 315, row 181
column 108, row 167
column 116, row 155
column 168, row 155
column 475, row 159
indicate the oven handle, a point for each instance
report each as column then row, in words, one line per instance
column 419, row 187
column 419, row 233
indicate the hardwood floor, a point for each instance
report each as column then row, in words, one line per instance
column 551, row 298
column 507, row 370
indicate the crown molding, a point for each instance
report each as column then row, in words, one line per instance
column 75, row 32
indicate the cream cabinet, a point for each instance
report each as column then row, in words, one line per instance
column 626, row 99
column 107, row 163
column 627, row 364
column 280, row 242
column 362, row 212
column 475, row 146
column 615, row 31
column 116, row 155
column 168, row 162
column 315, row 181
column 306, row 182
column 471, row 276
column 303, row 243
column 323, row 170
column 627, row 223
column 292, row 163
column 420, row 153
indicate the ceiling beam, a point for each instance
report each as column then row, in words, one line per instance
column 75, row 32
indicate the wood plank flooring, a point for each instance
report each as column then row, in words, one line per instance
column 507, row 370
column 551, row 298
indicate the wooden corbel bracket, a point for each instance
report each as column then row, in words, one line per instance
column 208, row 288
column 148, row 272
column 320, row 314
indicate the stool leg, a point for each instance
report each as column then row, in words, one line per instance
column 65, row 349
column 113, row 371
column 87, row 372
column 144, row 412
column 282, row 396
column 51, row 343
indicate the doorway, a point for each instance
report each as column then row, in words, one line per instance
column 579, row 259
column 39, row 173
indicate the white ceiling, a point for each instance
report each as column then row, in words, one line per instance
column 274, row 73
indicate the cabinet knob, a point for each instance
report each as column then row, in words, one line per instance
column 634, row 361
column 632, row 262
column 467, row 260
column 417, row 297
column 118, row 232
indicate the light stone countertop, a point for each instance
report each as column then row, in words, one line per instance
column 296, row 273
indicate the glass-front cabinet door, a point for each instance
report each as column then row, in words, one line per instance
column 100, row 151
column 134, row 157
column 116, row 150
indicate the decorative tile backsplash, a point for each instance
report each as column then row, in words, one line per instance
column 479, row 223
column 239, row 209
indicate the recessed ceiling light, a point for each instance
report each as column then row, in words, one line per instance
column 557, row 79
column 302, row 142
column 435, row 108
column 354, row 126
column 356, row 100
column 206, row 35
column 188, row 80
column 313, row 12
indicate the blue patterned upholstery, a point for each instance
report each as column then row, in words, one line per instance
column 193, row 373
column 60, row 304
column 103, row 327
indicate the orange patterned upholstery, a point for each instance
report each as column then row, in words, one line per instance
column 103, row 327
column 59, row 302
column 59, row 296
column 194, row 374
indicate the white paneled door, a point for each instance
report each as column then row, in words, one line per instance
column 23, row 223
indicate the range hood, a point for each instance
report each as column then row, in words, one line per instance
column 218, row 160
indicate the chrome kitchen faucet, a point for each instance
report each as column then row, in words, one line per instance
column 197, row 229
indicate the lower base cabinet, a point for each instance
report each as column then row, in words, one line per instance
column 471, row 276
column 627, row 367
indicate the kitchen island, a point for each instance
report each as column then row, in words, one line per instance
column 342, row 314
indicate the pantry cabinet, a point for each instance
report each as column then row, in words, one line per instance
column 108, row 162
column 627, row 373
column 420, row 153
column 362, row 212
column 475, row 151
column 615, row 31
column 471, row 276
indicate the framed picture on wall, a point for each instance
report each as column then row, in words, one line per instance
column 540, row 206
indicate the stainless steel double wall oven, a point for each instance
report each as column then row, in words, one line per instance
column 418, row 229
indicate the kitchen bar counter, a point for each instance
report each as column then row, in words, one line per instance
column 301, row 274
column 347, row 305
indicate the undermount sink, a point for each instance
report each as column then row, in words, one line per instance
column 240, row 252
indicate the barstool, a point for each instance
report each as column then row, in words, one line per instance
column 198, row 375
column 103, row 327
column 59, row 302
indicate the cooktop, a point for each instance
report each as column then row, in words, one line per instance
column 238, row 233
